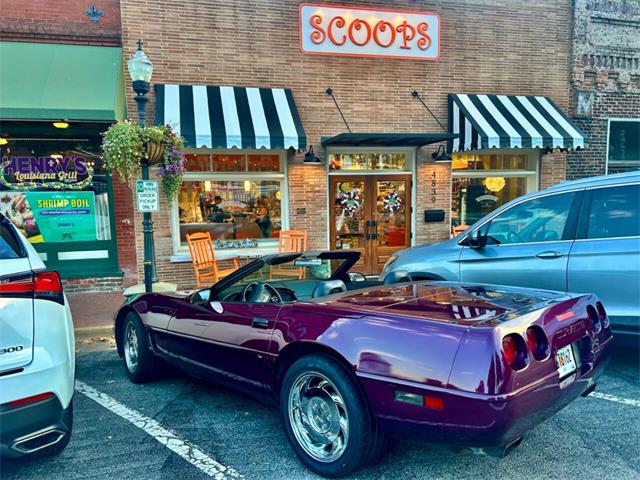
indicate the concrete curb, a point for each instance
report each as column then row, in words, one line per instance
column 83, row 333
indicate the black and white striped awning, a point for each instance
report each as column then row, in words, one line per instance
column 227, row 117
column 501, row 121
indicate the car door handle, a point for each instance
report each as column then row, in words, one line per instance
column 547, row 255
column 259, row 322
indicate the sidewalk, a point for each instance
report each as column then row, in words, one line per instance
column 93, row 312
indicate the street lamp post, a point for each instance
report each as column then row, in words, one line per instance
column 140, row 70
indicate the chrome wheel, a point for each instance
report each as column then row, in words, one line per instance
column 131, row 347
column 318, row 417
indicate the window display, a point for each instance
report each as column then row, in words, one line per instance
column 239, row 211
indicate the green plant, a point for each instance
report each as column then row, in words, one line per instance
column 124, row 145
column 122, row 149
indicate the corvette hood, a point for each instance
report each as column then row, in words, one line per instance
column 464, row 304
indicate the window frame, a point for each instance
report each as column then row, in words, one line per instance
column 583, row 222
column 181, row 252
column 607, row 162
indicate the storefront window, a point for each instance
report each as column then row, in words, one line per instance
column 367, row 161
column 238, row 199
column 231, row 210
column 483, row 182
column 54, row 193
column 623, row 146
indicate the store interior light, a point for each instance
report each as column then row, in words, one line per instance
column 60, row 124
column 247, row 186
column 207, row 186
column 3, row 141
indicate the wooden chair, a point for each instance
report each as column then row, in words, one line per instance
column 455, row 231
column 203, row 258
column 290, row 241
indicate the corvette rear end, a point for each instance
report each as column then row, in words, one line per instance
column 513, row 369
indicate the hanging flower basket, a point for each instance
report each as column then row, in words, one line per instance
column 125, row 144
column 154, row 152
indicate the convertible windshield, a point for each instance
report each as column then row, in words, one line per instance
column 289, row 277
column 300, row 268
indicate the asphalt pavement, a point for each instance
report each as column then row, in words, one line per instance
column 183, row 428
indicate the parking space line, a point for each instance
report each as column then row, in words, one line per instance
column 187, row 450
column 613, row 398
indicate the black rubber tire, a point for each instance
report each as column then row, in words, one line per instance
column 56, row 448
column 146, row 368
column 363, row 435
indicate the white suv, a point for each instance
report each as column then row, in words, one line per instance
column 37, row 356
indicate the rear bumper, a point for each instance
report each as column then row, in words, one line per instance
column 478, row 420
column 27, row 429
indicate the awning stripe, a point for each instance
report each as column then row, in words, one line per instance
column 187, row 120
column 216, row 119
column 260, row 128
column 201, row 116
column 302, row 144
column 231, row 117
column 172, row 107
column 501, row 121
column 248, row 136
column 578, row 138
column 271, row 114
column 231, row 120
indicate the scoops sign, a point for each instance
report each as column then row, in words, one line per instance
column 331, row 30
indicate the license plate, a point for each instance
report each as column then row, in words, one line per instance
column 566, row 361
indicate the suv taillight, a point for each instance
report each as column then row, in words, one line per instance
column 44, row 285
column 47, row 286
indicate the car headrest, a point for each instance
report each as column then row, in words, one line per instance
column 397, row 276
column 327, row 287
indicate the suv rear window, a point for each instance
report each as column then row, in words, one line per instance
column 615, row 212
column 10, row 246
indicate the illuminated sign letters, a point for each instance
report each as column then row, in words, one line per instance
column 331, row 30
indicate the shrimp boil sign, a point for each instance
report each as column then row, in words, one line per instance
column 51, row 216
column 334, row 30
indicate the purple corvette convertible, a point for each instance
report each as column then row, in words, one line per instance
column 350, row 360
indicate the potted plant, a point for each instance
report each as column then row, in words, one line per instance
column 125, row 144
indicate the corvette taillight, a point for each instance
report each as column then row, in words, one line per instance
column 595, row 319
column 602, row 314
column 514, row 351
column 537, row 342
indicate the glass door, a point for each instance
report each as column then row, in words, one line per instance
column 371, row 214
column 390, row 218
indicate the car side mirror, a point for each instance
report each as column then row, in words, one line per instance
column 477, row 239
column 357, row 277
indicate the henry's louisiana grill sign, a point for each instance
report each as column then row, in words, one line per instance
column 332, row 30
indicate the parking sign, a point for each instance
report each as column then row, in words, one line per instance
column 147, row 195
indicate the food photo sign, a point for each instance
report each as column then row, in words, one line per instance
column 335, row 30
column 41, row 196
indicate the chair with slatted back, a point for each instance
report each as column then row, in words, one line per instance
column 203, row 258
column 290, row 241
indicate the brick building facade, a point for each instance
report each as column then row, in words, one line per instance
column 79, row 37
column 486, row 47
column 605, row 85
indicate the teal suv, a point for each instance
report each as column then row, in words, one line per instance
column 581, row 236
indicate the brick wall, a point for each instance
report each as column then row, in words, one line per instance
column 553, row 169
column 487, row 46
column 125, row 230
column 605, row 77
column 62, row 21
column 94, row 284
